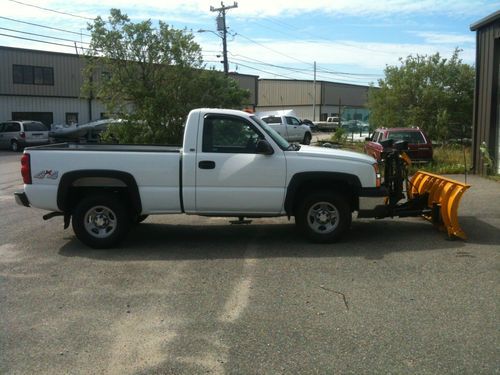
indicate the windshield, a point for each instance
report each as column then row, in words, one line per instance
column 282, row 143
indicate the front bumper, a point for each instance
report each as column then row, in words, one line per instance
column 371, row 201
column 21, row 198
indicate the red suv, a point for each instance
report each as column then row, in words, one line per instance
column 419, row 144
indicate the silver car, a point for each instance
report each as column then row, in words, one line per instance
column 16, row 135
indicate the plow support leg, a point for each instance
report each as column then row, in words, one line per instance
column 444, row 192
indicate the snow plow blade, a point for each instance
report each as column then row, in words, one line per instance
column 444, row 198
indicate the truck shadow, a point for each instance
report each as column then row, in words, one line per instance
column 367, row 238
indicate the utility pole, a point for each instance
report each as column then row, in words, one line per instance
column 314, row 98
column 222, row 29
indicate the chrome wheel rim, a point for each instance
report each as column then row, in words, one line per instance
column 14, row 146
column 323, row 217
column 100, row 221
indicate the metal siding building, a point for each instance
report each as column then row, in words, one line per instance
column 250, row 83
column 53, row 101
column 486, row 117
column 46, row 86
column 331, row 98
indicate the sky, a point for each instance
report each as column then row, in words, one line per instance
column 351, row 41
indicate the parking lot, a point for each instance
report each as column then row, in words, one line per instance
column 191, row 295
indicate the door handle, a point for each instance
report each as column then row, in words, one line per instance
column 206, row 164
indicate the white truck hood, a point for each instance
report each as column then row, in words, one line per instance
column 325, row 152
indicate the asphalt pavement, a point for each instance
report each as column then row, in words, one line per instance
column 191, row 295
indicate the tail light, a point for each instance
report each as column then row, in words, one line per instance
column 377, row 175
column 26, row 168
column 22, row 134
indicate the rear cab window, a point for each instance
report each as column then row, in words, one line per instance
column 272, row 120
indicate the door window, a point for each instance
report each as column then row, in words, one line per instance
column 292, row 121
column 227, row 134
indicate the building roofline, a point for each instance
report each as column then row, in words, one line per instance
column 311, row 81
column 241, row 74
column 7, row 48
column 485, row 21
column 38, row 51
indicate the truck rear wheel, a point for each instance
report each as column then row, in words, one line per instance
column 100, row 221
column 323, row 216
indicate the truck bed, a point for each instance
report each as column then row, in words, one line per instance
column 107, row 147
column 155, row 169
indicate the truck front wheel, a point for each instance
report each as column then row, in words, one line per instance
column 307, row 139
column 100, row 221
column 323, row 216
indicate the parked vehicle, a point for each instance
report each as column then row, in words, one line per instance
column 288, row 126
column 16, row 135
column 331, row 123
column 419, row 144
column 231, row 164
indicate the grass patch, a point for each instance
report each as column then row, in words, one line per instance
column 448, row 159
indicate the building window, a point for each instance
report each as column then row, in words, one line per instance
column 33, row 75
column 71, row 118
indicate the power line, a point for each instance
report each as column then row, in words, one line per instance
column 41, row 41
column 52, row 10
column 46, row 27
column 307, row 63
column 42, row 36
column 259, row 70
column 326, row 39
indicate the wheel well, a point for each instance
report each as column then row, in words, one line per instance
column 76, row 185
column 344, row 184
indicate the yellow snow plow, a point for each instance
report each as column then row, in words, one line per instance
column 444, row 195
column 433, row 197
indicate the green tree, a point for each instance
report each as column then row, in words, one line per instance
column 431, row 92
column 151, row 77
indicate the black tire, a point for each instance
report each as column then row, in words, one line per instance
column 323, row 216
column 307, row 139
column 101, row 220
column 14, row 146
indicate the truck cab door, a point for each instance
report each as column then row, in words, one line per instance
column 231, row 177
column 295, row 131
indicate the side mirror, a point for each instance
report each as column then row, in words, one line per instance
column 368, row 139
column 264, row 148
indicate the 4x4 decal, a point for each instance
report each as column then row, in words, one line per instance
column 47, row 174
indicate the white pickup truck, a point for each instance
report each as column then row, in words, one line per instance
column 331, row 123
column 231, row 164
column 288, row 126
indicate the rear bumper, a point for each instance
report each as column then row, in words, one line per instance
column 21, row 198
